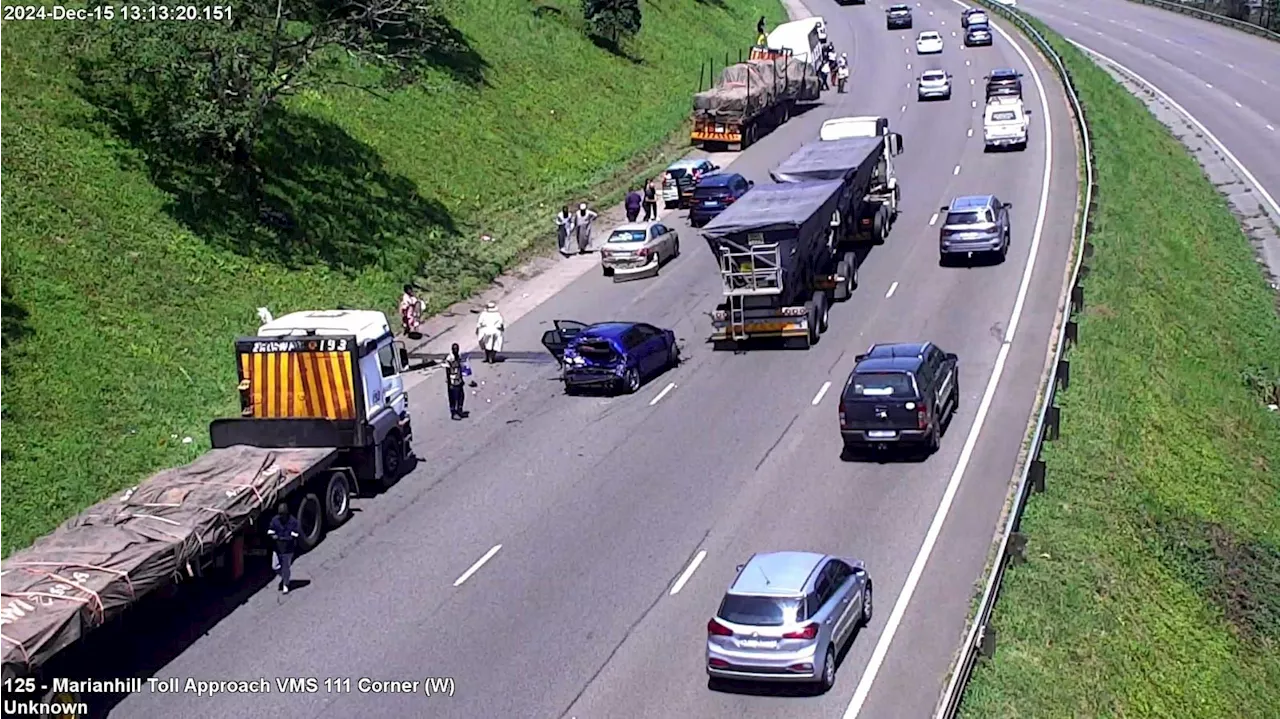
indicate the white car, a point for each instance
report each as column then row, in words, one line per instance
column 933, row 85
column 1004, row 124
column 929, row 43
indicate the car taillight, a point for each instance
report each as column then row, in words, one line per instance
column 922, row 416
column 642, row 252
column 728, row 199
column 841, row 414
column 810, row 631
column 718, row 629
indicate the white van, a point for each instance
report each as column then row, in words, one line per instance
column 1004, row 123
column 803, row 38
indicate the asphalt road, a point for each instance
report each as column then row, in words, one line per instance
column 599, row 504
column 1227, row 79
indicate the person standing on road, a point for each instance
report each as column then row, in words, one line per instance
column 582, row 220
column 489, row 328
column 650, row 201
column 564, row 230
column 284, row 530
column 454, row 372
column 632, row 204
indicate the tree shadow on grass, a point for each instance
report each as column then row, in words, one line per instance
column 718, row 4
column 613, row 48
column 15, row 325
column 449, row 50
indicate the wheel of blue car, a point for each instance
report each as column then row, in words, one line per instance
column 673, row 355
column 631, row 380
column 866, row 605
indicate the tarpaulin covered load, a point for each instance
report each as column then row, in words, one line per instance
column 99, row 562
column 767, row 208
column 830, row 160
column 741, row 91
column 802, row 80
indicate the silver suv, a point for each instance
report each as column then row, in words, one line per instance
column 786, row 617
column 974, row 224
column 933, row 84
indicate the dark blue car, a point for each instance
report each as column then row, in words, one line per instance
column 714, row 193
column 610, row 355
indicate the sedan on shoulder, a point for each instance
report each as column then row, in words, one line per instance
column 714, row 194
column 681, row 177
column 616, row 356
column 934, row 85
column 638, row 249
column 786, row 617
column 899, row 394
column 929, row 43
column 978, row 35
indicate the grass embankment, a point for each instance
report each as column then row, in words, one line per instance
column 1152, row 586
column 124, row 285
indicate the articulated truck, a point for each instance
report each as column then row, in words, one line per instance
column 324, row 416
column 751, row 97
column 788, row 251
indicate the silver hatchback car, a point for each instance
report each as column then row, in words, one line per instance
column 974, row 224
column 786, row 617
column 933, row 85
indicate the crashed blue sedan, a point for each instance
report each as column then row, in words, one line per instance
column 610, row 355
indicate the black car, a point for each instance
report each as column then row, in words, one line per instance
column 1004, row 82
column 898, row 17
column 851, row 2
column 977, row 35
column 899, row 394
column 714, row 194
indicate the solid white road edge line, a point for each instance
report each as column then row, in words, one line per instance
column 688, row 572
column 892, row 288
column 1271, row 201
column 956, row 171
column 476, row 567
column 670, row 386
column 966, row 453
column 823, row 392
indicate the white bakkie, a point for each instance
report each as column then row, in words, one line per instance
column 1004, row 123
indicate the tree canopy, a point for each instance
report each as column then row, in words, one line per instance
column 612, row 19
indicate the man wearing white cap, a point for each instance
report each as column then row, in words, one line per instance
column 582, row 220
column 489, row 328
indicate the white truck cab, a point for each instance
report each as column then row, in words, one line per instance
column 840, row 128
column 1004, row 123
column 381, row 359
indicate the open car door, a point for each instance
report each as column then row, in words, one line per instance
column 557, row 339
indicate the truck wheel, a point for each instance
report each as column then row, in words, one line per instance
column 823, row 309
column 878, row 232
column 337, row 499
column 842, row 290
column 785, row 112
column 310, row 514
column 811, row 313
column 851, row 259
column 392, row 459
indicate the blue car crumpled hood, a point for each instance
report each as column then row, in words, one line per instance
column 596, row 354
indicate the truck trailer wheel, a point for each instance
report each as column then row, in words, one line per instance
column 337, row 499
column 811, row 313
column 851, row 259
column 823, row 309
column 310, row 514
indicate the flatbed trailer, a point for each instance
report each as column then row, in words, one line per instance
column 751, row 97
column 320, row 415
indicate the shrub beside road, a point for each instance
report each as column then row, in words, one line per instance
column 1152, row 582
column 126, row 280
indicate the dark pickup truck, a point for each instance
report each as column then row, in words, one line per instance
column 899, row 394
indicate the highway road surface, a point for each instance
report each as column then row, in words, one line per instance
column 541, row 553
column 1228, row 80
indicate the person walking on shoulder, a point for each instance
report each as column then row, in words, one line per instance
column 284, row 530
column 454, row 372
column 564, row 230
column 582, row 220
column 650, row 201
column 632, row 205
column 411, row 309
column 489, row 328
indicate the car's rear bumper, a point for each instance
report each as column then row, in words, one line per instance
column 697, row 217
column 764, row 666
column 862, row 437
column 590, row 378
column 898, row 24
column 1005, row 140
column 930, row 93
column 961, row 247
column 624, row 266
column 978, row 42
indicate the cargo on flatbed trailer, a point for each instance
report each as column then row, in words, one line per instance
column 751, row 97
column 323, row 409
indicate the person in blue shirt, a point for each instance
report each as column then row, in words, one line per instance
column 284, row 530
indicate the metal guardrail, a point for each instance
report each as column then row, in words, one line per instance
column 980, row 641
column 1186, row 8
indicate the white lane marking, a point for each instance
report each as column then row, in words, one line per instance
column 476, row 567
column 904, row 109
column 1231, row 65
column 933, row 220
column 1209, row 85
column 1271, row 128
column 971, row 81
column 1271, row 201
column 1197, row 51
column 892, row 288
column 908, row 66
column 956, row 171
column 970, row 133
column 984, row 406
column 688, row 572
column 953, row 32
column 967, row 63
column 1239, row 105
column 973, row 103
column 817, row 398
column 931, row 13
column 906, row 50
column 670, row 386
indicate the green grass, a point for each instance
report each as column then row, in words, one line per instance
column 119, row 317
column 1152, row 587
